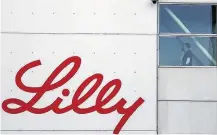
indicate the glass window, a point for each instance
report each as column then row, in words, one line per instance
column 198, row 46
column 176, row 18
column 187, row 51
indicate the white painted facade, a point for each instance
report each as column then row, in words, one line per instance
column 117, row 38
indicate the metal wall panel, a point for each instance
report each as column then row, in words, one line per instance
column 130, row 58
column 84, row 132
column 187, row 117
column 187, row 84
column 189, row 1
column 79, row 16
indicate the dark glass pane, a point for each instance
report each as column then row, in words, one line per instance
column 196, row 18
column 199, row 51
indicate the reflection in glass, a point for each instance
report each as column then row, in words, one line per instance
column 195, row 18
column 187, row 51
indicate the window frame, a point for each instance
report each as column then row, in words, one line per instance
column 179, row 34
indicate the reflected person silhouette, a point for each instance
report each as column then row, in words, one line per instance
column 187, row 57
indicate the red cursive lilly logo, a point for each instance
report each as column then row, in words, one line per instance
column 77, row 99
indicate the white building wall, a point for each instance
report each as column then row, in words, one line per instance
column 113, row 30
column 187, row 117
column 114, row 37
column 79, row 16
column 99, row 54
column 188, row 84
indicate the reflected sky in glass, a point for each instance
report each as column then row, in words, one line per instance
column 197, row 18
column 170, row 52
